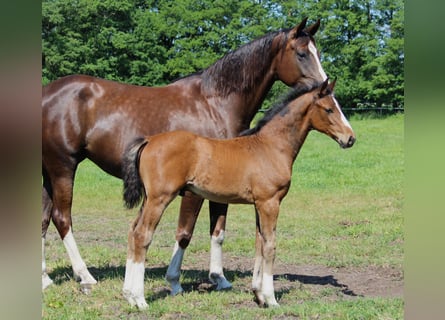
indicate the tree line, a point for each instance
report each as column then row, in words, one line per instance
column 154, row 42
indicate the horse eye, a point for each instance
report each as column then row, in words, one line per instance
column 301, row 54
column 329, row 110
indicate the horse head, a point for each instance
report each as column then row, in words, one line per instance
column 326, row 116
column 299, row 61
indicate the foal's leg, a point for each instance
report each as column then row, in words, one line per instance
column 139, row 239
column 218, row 214
column 258, row 267
column 190, row 207
column 62, row 193
column 268, row 214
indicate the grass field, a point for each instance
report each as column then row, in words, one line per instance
column 343, row 213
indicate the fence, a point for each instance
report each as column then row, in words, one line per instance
column 380, row 111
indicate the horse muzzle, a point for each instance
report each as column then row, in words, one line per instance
column 349, row 143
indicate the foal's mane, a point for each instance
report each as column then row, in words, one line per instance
column 281, row 107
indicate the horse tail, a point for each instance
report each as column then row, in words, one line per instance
column 133, row 187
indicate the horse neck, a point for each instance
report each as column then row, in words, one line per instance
column 287, row 132
column 242, row 79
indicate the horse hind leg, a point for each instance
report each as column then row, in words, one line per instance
column 61, row 217
column 218, row 213
column 140, row 237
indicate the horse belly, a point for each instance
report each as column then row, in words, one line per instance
column 222, row 196
column 223, row 184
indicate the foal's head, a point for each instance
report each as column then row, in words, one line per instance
column 325, row 115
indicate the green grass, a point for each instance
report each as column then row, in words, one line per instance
column 344, row 210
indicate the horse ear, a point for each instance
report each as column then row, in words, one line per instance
column 313, row 28
column 295, row 32
column 332, row 85
column 323, row 88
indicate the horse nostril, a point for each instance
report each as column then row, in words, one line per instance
column 351, row 141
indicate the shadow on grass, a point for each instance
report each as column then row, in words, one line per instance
column 318, row 280
column 197, row 280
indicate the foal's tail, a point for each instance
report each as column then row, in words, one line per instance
column 133, row 186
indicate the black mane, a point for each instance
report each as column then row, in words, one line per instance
column 242, row 69
column 279, row 108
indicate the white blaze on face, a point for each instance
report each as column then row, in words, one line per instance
column 343, row 118
column 313, row 51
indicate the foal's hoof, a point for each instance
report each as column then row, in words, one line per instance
column 135, row 301
column 265, row 301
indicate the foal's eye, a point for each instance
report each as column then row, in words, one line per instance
column 329, row 110
column 301, row 54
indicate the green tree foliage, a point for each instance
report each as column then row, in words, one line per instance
column 154, row 42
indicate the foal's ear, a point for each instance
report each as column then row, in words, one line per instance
column 332, row 85
column 324, row 90
column 297, row 31
column 313, row 28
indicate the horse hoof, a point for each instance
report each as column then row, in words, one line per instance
column 86, row 288
column 142, row 304
column 272, row 304
column 139, row 302
column 176, row 291
column 46, row 281
column 220, row 281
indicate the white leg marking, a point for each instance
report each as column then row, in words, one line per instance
column 174, row 270
column 268, row 290
column 79, row 266
column 313, row 51
column 216, row 274
column 134, row 284
column 46, row 280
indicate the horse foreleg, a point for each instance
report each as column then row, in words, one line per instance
column 189, row 211
column 268, row 214
column 139, row 239
column 61, row 216
column 47, row 205
column 218, row 213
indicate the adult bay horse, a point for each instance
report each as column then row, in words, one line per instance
column 255, row 168
column 86, row 117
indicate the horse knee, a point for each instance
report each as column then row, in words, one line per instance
column 61, row 221
column 269, row 250
column 219, row 239
column 45, row 223
column 183, row 238
column 142, row 239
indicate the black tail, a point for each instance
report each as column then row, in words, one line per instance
column 133, row 187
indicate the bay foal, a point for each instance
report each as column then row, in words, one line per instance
column 252, row 169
